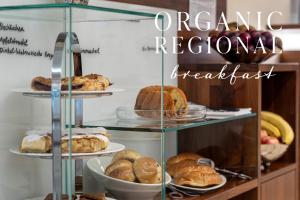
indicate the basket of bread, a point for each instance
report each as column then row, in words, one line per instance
column 244, row 44
column 128, row 175
column 276, row 136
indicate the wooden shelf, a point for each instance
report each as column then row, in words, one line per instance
column 277, row 169
column 232, row 189
column 286, row 26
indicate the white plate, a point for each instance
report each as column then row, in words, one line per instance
column 112, row 148
column 75, row 93
column 201, row 190
column 129, row 114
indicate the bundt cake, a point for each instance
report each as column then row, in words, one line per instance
column 148, row 102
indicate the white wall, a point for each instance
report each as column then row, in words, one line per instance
column 265, row 6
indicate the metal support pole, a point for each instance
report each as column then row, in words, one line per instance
column 56, row 71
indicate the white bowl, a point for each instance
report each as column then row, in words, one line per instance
column 120, row 189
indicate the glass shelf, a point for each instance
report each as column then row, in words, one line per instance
column 144, row 126
column 80, row 13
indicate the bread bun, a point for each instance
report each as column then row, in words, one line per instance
column 127, row 154
column 149, row 98
column 182, row 156
column 147, row 170
column 121, row 169
column 172, row 169
column 198, row 179
column 205, row 169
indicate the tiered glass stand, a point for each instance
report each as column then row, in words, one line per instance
column 118, row 31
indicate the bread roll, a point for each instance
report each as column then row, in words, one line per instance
column 172, row 169
column 36, row 144
column 182, row 156
column 194, row 168
column 198, row 179
column 127, row 154
column 121, row 169
column 147, row 170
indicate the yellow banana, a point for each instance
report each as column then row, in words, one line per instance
column 287, row 133
column 270, row 128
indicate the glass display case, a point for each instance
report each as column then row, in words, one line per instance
column 67, row 123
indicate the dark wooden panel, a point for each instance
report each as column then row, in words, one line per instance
column 219, row 93
column 232, row 145
column 282, row 187
column 279, row 95
column 231, row 189
column 285, row 26
column 277, row 169
column 290, row 56
column 250, row 195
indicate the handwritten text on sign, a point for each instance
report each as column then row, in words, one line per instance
column 11, row 45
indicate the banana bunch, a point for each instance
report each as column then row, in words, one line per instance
column 277, row 127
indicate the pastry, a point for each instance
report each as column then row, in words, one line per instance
column 94, row 82
column 147, row 170
column 198, row 179
column 84, row 140
column 91, row 82
column 121, row 169
column 90, row 131
column 85, row 143
column 36, row 144
column 127, row 154
column 149, row 98
column 182, row 156
column 44, row 84
column 172, row 169
column 205, row 169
